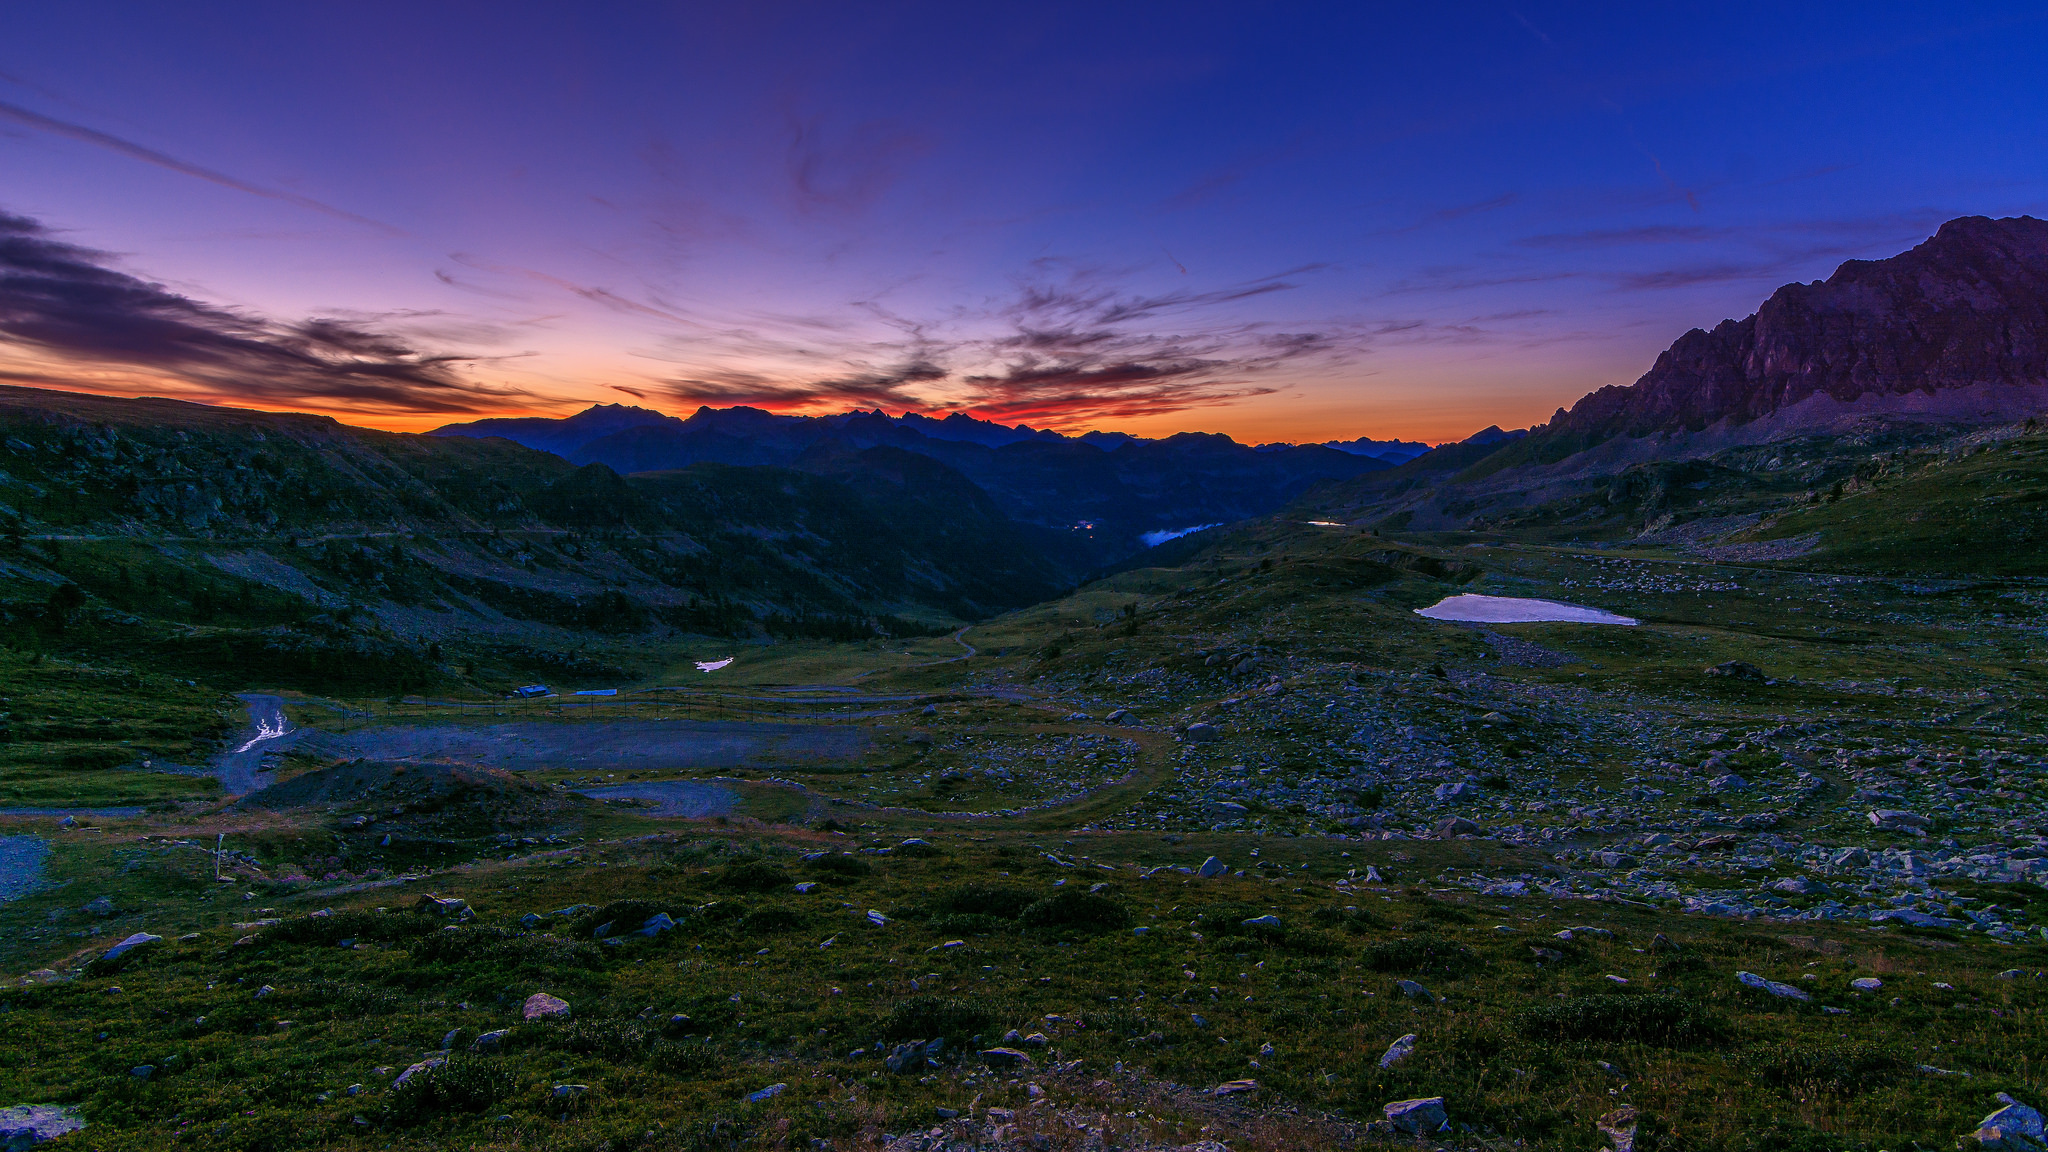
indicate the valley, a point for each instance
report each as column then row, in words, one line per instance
column 1639, row 781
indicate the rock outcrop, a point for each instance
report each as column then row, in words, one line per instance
column 1967, row 307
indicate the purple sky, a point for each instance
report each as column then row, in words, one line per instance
column 1292, row 222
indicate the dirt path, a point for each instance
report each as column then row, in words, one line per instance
column 21, row 865
column 609, row 745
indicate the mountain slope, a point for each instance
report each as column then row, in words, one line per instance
column 1906, row 353
column 280, row 549
column 1103, row 492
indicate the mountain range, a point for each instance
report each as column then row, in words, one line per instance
column 1106, row 491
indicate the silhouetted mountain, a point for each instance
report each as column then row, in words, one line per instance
column 1492, row 434
column 1103, row 490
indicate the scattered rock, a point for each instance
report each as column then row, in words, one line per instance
column 1234, row 1087
column 1738, row 670
column 541, row 1006
column 489, row 1041
column 1752, row 980
column 1456, row 826
column 423, row 1066
column 26, row 1125
column 1005, row 1058
column 1418, row 1117
column 1203, row 733
column 2014, row 1127
column 1866, row 984
column 1414, row 991
column 1212, row 868
column 768, row 1093
column 1895, row 820
column 447, row 906
column 1267, row 921
column 1398, row 1051
column 139, row 940
column 1619, row 1126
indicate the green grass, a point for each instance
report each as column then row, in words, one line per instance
column 1513, row 1046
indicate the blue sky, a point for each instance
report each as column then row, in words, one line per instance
column 1288, row 222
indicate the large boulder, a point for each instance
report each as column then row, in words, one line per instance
column 541, row 1006
column 1418, row 1117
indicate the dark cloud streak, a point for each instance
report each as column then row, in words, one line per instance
column 62, row 304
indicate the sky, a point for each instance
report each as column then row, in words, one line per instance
column 1284, row 222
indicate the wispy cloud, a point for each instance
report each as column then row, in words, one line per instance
column 147, row 155
column 63, row 305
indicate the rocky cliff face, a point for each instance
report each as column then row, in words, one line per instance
column 1967, row 307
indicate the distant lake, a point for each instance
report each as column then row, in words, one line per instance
column 1476, row 609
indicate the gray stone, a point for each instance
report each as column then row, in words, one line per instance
column 1212, row 868
column 26, row 1125
column 905, row 1058
column 1203, row 733
column 2015, row 1119
column 434, row 905
column 420, row 1068
column 1752, row 980
column 489, row 1041
column 142, row 1071
column 1005, row 1058
column 770, row 1092
column 568, row 1091
column 1619, row 1127
column 1418, row 1117
column 1894, row 820
column 1267, row 921
column 656, row 924
column 541, row 1006
column 1414, row 991
column 1398, row 1051
column 139, row 940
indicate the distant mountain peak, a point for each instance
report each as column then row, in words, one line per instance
column 1966, row 307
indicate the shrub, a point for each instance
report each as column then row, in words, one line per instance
column 1074, row 910
column 1348, row 919
column 1843, row 1069
column 751, row 876
column 352, row 925
column 464, row 1083
column 616, row 1039
column 623, row 915
column 840, row 865
column 773, row 918
column 967, row 924
column 928, row 1017
column 985, row 900
column 1663, row 1019
column 1420, row 954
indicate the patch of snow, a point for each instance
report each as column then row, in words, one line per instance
column 1155, row 539
column 1474, row 608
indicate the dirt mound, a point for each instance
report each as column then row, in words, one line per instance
column 425, row 799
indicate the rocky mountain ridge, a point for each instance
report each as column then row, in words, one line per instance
column 1104, row 490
